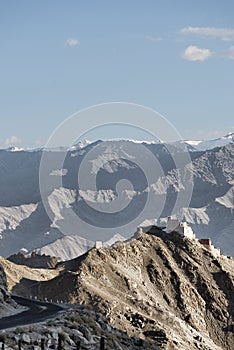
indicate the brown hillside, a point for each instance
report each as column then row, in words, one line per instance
column 164, row 288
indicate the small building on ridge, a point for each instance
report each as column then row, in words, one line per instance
column 181, row 227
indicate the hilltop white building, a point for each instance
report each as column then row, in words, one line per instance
column 180, row 227
column 98, row 244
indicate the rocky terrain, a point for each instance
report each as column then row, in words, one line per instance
column 34, row 260
column 165, row 289
column 81, row 329
column 19, row 278
column 24, row 221
column 7, row 305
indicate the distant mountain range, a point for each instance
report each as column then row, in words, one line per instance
column 210, row 144
column 24, row 222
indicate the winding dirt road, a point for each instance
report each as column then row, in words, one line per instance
column 37, row 311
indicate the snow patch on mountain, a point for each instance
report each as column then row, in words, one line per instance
column 210, row 144
column 15, row 149
column 79, row 145
column 11, row 217
column 228, row 199
column 101, row 196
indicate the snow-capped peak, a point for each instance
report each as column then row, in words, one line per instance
column 230, row 135
column 79, row 145
column 210, row 144
column 15, row 149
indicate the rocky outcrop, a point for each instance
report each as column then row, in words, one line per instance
column 21, row 278
column 3, row 284
column 34, row 260
column 7, row 305
column 80, row 329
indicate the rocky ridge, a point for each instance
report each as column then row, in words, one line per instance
column 19, row 279
column 163, row 288
column 7, row 305
column 34, row 260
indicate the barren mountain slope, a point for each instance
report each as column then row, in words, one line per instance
column 34, row 260
column 67, row 247
column 164, row 288
column 7, row 305
column 20, row 278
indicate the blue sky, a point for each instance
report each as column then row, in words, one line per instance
column 59, row 56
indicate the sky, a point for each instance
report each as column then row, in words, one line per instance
column 58, row 57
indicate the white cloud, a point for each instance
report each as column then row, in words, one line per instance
column 13, row 140
column 194, row 53
column 72, row 42
column 153, row 38
column 225, row 34
column 229, row 53
column 40, row 141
